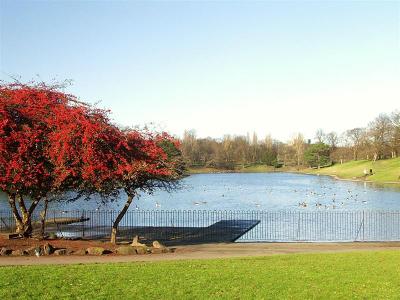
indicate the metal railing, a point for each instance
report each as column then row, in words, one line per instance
column 183, row 227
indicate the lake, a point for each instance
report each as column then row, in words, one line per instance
column 257, row 191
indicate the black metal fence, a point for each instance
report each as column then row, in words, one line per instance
column 185, row 227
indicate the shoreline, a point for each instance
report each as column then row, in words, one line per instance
column 351, row 179
column 334, row 176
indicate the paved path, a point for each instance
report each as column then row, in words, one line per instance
column 206, row 251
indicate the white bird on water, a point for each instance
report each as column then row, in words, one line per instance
column 158, row 204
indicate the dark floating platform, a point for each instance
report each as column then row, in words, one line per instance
column 232, row 229
column 223, row 231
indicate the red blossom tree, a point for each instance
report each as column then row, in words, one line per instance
column 24, row 127
column 47, row 139
column 52, row 143
column 153, row 162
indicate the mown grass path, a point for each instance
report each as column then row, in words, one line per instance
column 355, row 275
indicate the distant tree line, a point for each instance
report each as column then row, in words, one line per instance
column 379, row 140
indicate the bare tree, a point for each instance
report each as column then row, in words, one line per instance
column 299, row 147
column 380, row 130
column 332, row 139
column 254, row 147
column 320, row 136
column 395, row 134
column 355, row 137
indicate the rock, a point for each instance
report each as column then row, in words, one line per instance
column 5, row 251
column 95, row 250
column 60, row 252
column 19, row 252
column 159, row 250
column 126, row 250
column 136, row 243
column 47, row 249
column 158, row 245
column 31, row 250
column 80, row 252
column 140, row 250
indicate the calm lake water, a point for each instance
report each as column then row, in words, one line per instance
column 261, row 191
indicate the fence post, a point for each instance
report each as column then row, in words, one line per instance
column 83, row 223
column 298, row 228
column 363, row 225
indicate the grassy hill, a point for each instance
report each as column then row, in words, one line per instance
column 383, row 170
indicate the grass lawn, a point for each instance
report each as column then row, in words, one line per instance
column 257, row 169
column 384, row 170
column 356, row 275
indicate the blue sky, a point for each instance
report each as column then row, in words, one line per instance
column 278, row 67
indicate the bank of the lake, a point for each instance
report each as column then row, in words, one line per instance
column 247, row 169
column 384, row 171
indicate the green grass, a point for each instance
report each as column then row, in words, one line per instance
column 356, row 275
column 384, row 170
column 257, row 169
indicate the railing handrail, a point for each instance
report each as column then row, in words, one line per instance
column 256, row 225
column 220, row 210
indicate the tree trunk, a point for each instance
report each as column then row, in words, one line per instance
column 26, row 229
column 24, row 222
column 121, row 214
column 43, row 218
column 355, row 154
column 17, row 217
column 27, row 217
